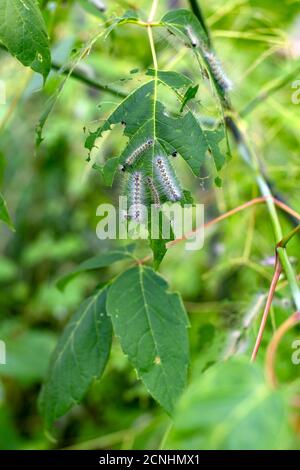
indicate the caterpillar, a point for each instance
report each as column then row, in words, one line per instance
column 154, row 192
column 192, row 37
column 136, row 154
column 99, row 4
column 136, row 197
column 216, row 70
column 168, row 181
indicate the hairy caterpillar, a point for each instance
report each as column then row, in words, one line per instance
column 192, row 37
column 136, row 154
column 216, row 70
column 99, row 4
column 167, row 180
column 154, row 192
column 136, row 197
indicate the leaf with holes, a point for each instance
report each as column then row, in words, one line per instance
column 144, row 117
column 151, row 324
column 79, row 358
column 23, row 32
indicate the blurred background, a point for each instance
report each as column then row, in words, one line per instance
column 53, row 192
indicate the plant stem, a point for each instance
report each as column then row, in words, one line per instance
column 252, row 202
column 154, row 58
column 250, row 158
column 88, row 81
column 267, row 308
column 153, row 11
column 198, row 13
column 231, row 121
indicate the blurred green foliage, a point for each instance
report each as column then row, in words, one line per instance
column 52, row 195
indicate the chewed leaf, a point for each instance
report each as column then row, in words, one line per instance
column 141, row 119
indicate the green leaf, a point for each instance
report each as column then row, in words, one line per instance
column 189, row 95
column 109, row 171
column 96, row 262
column 28, row 352
column 79, row 358
column 182, row 22
column 94, row 8
column 171, row 79
column 23, row 32
column 158, row 245
column 151, row 324
column 4, row 214
column 230, row 407
column 177, row 21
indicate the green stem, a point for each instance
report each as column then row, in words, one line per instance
column 75, row 73
column 252, row 161
column 198, row 13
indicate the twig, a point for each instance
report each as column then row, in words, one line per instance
column 252, row 202
column 267, row 308
column 198, row 13
column 75, row 73
column 280, row 245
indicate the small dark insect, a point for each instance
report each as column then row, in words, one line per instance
column 175, row 153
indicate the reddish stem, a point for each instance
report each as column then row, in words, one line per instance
column 267, row 308
column 247, row 204
column 273, row 346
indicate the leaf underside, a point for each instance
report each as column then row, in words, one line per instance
column 80, row 356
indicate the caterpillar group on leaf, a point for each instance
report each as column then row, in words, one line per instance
column 167, row 179
column 136, row 154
